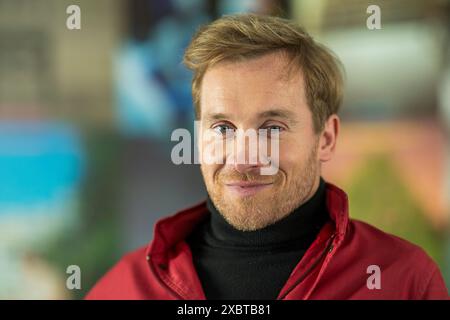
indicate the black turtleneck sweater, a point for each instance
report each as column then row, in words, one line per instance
column 234, row 264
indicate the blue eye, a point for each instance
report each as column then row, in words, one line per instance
column 224, row 129
column 273, row 129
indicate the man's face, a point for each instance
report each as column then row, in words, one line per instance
column 257, row 94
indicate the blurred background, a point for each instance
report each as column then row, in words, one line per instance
column 86, row 117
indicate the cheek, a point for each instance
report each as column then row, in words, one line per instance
column 293, row 156
column 288, row 161
column 291, row 151
column 209, row 171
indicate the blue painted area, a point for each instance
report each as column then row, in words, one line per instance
column 38, row 160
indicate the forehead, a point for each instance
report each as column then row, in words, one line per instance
column 253, row 85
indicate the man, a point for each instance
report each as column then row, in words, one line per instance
column 281, row 236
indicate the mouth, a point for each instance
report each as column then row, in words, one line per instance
column 247, row 188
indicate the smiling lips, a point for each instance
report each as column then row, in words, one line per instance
column 247, row 188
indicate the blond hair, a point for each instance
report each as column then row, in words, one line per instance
column 246, row 36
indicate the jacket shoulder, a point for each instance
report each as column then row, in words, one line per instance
column 377, row 236
column 388, row 245
column 400, row 258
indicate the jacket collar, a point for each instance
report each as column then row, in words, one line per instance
column 170, row 231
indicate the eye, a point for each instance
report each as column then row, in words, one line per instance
column 224, row 129
column 275, row 128
column 272, row 129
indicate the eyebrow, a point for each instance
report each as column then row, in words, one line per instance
column 217, row 116
column 272, row 113
column 277, row 113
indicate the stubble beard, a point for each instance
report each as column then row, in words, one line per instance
column 258, row 211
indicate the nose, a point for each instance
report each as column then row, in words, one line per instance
column 245, row 158
column 247, row 168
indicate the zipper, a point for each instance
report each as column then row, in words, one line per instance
column 328, row 249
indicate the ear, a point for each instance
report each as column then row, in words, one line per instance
column 328, row 137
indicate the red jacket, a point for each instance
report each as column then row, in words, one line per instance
column 336, row 265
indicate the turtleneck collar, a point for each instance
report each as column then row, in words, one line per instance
column 303, row 222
